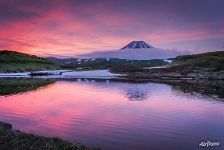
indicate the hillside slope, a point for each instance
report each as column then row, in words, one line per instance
column 213, row 61
column 200, row 66
column 11, row 61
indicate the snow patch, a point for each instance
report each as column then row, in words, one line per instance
column 21, row 74
column 167, row 60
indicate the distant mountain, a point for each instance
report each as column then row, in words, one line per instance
column 136, row 54
column 61, row 61
column 105, row 63
column 136, row 45
column 135, row 50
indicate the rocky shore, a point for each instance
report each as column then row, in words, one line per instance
column 167, row 74
column 11, row 139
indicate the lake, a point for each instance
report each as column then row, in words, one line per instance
column 116, row 115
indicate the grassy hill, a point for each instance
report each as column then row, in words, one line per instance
column 213, row 61
column 199, row 66
column 11, row 61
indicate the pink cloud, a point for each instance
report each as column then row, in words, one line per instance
column 77, row 28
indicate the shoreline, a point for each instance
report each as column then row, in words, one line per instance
column 171, row 74
column 142, row 75
column 60, row 74
column 11, row 138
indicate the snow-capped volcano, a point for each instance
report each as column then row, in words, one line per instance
column 136, row 45
column 135, row 50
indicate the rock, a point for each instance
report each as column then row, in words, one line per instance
column 5, row 126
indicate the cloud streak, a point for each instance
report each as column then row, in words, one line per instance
column 74, row 27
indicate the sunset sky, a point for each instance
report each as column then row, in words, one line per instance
column 72, row 27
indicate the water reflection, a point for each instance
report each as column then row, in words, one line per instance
column 137, row 94
column 132, row 91
column 99, row 113
column 11, row 86
column 141, row 91
column 199, row 87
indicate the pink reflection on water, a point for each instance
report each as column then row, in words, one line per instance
column 78, row 111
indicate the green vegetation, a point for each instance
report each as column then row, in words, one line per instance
column 200, row 66
column 211, row 88
column 112, row 63
column 213, row 61
column 207, row 65
column 10, row 86
column 11, row 61
column 11, row 139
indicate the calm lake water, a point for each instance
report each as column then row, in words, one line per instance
column 116, row 115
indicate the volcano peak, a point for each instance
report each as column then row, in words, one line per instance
column 137, row 45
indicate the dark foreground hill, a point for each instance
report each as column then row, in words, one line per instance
column 11, row 61
column 11, row 139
